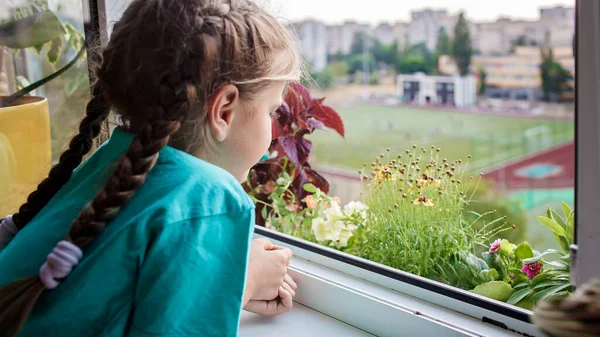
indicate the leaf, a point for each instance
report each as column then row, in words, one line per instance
column 490, row 274
column 547, row 283
column 328, row 117
column 314, row 123
column 506, row 247
column 38, row 48
column 553, row 226
column 558, row 219
column 549, row 291
column 557, row 265
column 494, row 289
column 296, row 148
column 563, row 243
column 539, row 278
column 526, row 304
column 30, row 31
column 310, row 188
column 519, row 295
column 54, row 51
column 524, row 251
column 566, row 209
column 537, row 257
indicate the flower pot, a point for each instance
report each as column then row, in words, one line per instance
column 25, row 150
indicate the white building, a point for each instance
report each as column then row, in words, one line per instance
column 401, row 33
column 425, row 26
column 313, row 41
column 384, row 32
column 422, row 89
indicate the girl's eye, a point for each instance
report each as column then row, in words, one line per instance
column 274, row 114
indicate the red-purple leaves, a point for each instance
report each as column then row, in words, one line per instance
column 299, row 115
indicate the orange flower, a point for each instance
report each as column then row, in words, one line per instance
column 423, row 200
column 310, row 201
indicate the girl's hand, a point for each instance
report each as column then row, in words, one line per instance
column 267, row 268
column 280, row 305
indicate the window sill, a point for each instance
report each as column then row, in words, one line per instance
column 300, row 322
column 377, row 304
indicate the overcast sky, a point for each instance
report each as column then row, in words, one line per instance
column 374, row 11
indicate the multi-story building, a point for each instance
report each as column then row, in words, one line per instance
column 425, row 25
column 340, row 37
column 515, row 75
column 497, row 37
column 384, row 32
column 313, row 41
column 401, row 33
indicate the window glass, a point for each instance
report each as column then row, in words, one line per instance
column 456, row 156
column 38, row 39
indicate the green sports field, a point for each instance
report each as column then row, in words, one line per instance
column 490, row 139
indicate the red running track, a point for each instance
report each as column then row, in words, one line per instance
column 562, row 156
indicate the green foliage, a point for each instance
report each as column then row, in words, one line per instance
column 417, row 201
column 413, row 63
column 546, row 278
column 443, row 45
column 555, row 78
column 387, row 54
column 360, row 41
column 482, row 82
column 355, row 63
column 461, row 48
column 488, row 204
column 374, row 79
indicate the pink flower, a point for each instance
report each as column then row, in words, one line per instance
column 495, row 246
column 532, row 269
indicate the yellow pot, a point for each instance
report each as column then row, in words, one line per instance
column 25, row 150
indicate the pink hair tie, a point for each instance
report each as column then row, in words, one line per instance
column 60, row 263
column 8, row 230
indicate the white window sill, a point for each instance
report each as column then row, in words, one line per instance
column 337, row 295
column 300, row 322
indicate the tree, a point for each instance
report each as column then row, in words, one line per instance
column 521, row 41
column 555, row 78
column 386, row 53
column 461, row 47
column 443, row 46
column 482, row 81
column 355, row 63
column 412, row 63
column 421, row 49
column 358, row 42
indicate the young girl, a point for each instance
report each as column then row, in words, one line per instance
column 151, row 235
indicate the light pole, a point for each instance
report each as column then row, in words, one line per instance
column 366, row 76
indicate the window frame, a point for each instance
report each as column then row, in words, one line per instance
column 323, row 268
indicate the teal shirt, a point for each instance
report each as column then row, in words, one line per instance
column 171, row 263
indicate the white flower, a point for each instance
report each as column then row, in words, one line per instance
column 327, row 229
column 335, row 227
column 356, row 207
column 318, row 228
column 344, row 237
column 334, row 213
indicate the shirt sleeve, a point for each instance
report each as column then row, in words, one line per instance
column 191, row 281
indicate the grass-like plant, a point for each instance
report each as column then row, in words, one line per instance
column 417, row 201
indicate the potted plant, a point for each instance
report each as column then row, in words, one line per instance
column 25, row 141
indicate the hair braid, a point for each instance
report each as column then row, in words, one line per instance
column 159, row 78
column 97, row 111
column 17, row 299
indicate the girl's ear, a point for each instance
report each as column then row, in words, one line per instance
column 221, row 110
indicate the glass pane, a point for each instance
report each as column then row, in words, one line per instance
column 38, row 39
column 457, row 136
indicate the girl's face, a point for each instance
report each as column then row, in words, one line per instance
column 243, row 129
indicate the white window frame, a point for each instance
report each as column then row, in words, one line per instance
column 388, row 302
